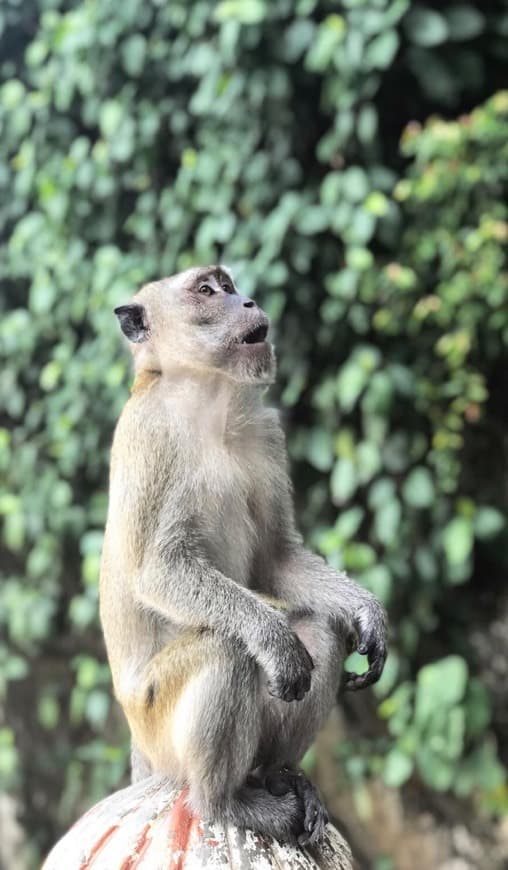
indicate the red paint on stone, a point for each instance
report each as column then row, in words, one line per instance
column 212, row 842
column 139, row 849
column 180, row 824
column 97, row 847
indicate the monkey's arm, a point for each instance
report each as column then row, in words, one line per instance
column 178, row 582
column 305, row 579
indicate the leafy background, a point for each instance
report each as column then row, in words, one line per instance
column 349, row 162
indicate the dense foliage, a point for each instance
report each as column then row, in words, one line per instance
column 141, row 137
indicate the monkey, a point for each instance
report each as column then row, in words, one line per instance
column 225, row 636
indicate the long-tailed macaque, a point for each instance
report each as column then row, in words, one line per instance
column 226, row 637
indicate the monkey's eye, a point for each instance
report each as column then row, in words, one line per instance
column 227, row 288
column 206, row 289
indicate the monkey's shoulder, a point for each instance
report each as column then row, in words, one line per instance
column 143, row 428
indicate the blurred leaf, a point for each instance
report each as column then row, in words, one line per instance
column 319, row 449
column 425, row 26
column 418, row 488
column 439, row 685
column 244, row 11
column 464, row 21
column 488, row 522
column 343, row 481
column 457, row 538
column 398, row 768
column 381, row 51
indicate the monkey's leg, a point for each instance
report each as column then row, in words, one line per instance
column 222, row 743
column 290, row 728
column 200, row 723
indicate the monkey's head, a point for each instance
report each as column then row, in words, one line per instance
column 198, row 320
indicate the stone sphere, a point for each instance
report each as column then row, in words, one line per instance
column 148, row 825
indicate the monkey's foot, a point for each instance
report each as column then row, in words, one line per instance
column 279, row 781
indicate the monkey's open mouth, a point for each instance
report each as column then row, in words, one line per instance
column 255, row 336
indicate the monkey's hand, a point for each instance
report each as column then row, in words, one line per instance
column 370, row 626
column 288, row 668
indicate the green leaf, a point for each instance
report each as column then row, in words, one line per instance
column 348, row 523
column 368, row 461
column 397, row 769
column 42, row 296
column 379, row 580
column 319, row 449
column 343, row 481
column 481, row 770
column 435, row 771
column 48, row 712
column 16, row 668
column 387, row 522
column 358, row 557
column 243, row 11
column 457, row 539
column 97, row 707
column 329, row 37
column 134, row 53
column 350, row 384
column 382, row 491
column 312, row 220
column 425, row 26
column 478, row 708
column 12, row 93
column 382, row 49
column 355, row 184
column 464, row 22
column 111, row 117
column 418, row 488
column 488, row 522
column 439, row 686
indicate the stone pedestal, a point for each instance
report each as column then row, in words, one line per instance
column 149, row 826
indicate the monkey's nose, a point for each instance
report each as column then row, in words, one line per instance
column 248, row 303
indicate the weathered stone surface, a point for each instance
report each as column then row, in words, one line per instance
column 149, row 826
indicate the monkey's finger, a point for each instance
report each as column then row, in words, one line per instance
column 302, row 691
column 353, row 682
column 361, row 681
column 286, row 692
column 301, row 688
column 370, row 644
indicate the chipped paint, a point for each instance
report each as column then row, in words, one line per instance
column 98, row 846
column 149, row 826
column 180, row 824
column 134, row 859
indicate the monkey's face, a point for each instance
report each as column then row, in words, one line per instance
column 197, row 319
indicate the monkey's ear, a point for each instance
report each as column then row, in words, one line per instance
column 133, row 322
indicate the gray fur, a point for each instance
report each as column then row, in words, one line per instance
column 215, row 616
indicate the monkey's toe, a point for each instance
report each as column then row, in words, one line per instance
column 316, row 820
column 316, row 817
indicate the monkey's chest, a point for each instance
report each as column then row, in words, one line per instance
column 235, row 514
